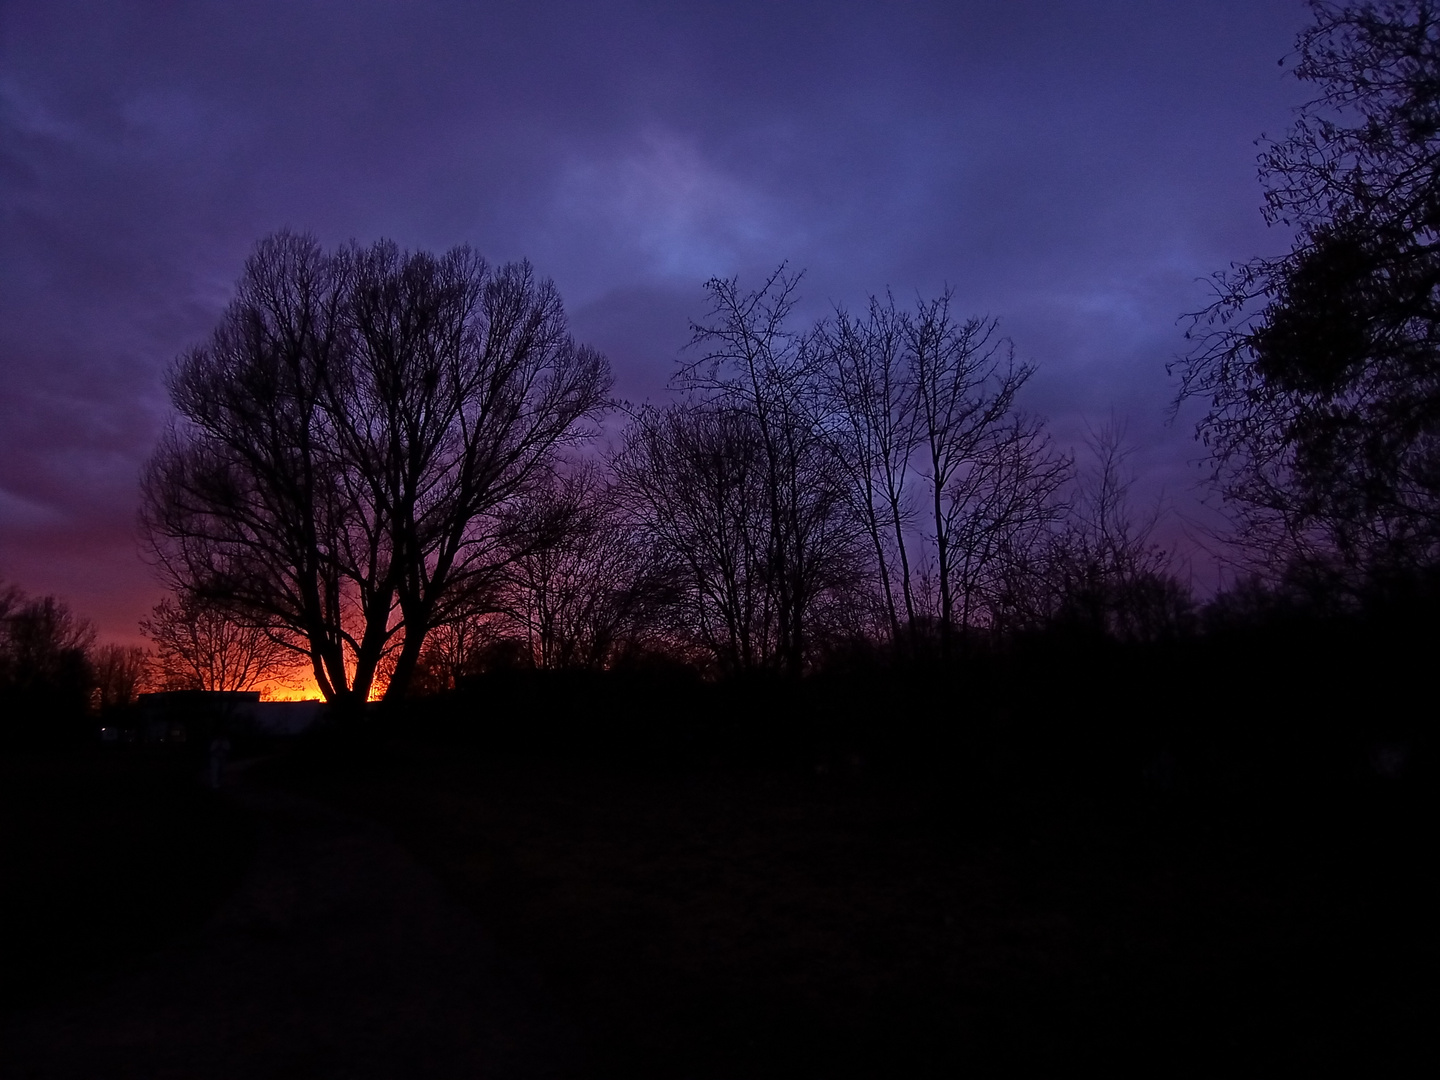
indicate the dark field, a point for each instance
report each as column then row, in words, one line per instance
column 105, row 855
column 826, row 879
column 721, row 919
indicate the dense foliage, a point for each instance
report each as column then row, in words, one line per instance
column 1321, row 365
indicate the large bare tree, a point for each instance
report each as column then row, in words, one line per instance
column 347, row 441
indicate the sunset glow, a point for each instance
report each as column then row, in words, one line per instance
column 302, row 687
column 881, row 539
column 1078, row 179
column 291, row 692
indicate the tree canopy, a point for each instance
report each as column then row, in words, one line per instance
column 1321, row 365
column 349, row 438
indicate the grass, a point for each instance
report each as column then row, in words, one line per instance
column 105, row 855
column 725, row 920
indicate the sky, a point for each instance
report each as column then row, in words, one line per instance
column 1076, row 169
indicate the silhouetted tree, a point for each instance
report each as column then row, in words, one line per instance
column 46, row 675
column 1113, row 577
column 467, row 644
column 584, row 585
column 121, row 673
column 919, row 395
column 754, row 363
column 966, row 380
column 1321, row 365
column 12, row 599
column 870, row 412
column 693, row 479
column 1004, row 507
column 200, row 645
column 349, row 439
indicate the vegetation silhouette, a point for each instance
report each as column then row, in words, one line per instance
column 350, row 441
column 845, row 562
column 368, row 452
column 203, row 646
column 1319, row 366
column 47, row 671
column 1210, row 832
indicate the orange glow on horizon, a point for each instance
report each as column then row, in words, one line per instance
column 302, row 687
column 306, row 691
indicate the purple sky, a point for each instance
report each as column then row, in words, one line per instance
column 1072, row 167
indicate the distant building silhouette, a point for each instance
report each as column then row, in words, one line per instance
column 174, row 716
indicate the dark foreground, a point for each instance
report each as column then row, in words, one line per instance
column 335, row 955
column 723, row 920
column 104, row 857
column 527, row 883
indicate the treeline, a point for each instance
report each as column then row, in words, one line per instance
column 377, row 459
column 383, row 471
column 868, row 484
column 384, row 463
column 54, row 677
column 59, row 682
column 1269, row 697
column 869, row 490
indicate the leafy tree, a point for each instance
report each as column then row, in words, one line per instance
column 1321, row 365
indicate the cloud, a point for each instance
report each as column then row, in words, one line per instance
column 1071, row 169
column 19, row 514
column 677, row 214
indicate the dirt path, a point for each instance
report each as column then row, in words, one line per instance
column 338, row 956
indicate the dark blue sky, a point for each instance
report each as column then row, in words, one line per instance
column 1075, row 169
